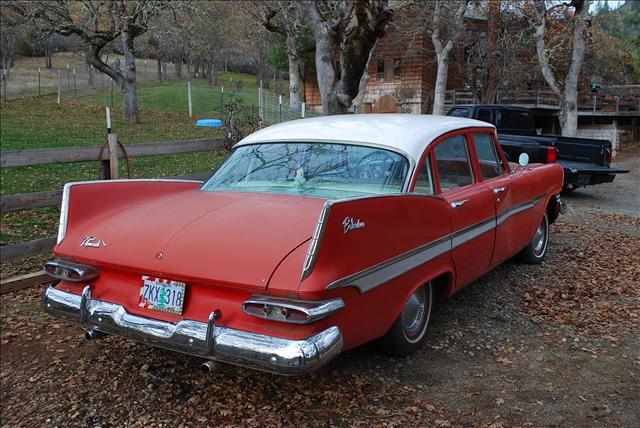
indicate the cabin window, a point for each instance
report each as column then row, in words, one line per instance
column 397, row 68
column 424, row 182
column 388, row 68
column 453, row 163
column 380, row 70
column 487, row 155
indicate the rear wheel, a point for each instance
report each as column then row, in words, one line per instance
column 408, row 332
column 537, row 248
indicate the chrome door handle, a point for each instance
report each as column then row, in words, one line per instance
column 499, row 190
column 458, row 204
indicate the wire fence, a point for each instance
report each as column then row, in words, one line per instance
column 165, row 95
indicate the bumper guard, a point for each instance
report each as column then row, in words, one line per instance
column 243, row 348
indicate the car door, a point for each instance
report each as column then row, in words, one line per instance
column 511, row 195
column 471, row 205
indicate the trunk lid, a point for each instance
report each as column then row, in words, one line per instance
column 227, row 238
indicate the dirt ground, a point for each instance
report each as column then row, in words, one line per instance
column 550, row 345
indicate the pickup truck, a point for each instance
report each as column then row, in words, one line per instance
column 585, row 161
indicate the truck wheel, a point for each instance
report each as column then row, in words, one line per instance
column 408, row 332
column 537, row 248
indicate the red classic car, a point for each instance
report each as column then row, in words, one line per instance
column 315, row 236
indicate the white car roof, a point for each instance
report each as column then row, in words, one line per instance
column 408, row 133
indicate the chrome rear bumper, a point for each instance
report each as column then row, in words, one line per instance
column 243, row 348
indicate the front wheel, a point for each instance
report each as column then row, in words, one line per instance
column 408, row 332
column 537, row 248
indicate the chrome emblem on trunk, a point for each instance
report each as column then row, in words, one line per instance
column 92, row 241
column 350, row 224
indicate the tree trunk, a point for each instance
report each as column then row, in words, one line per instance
column 211, row 70
column 178, row 67
column 441, row 84
column 489, row 73
column 47, row 55
column 568, row 93
column 295, row 79
column 159, row 68
column 129, row 84
column 325, row 52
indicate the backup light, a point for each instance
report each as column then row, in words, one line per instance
column 290, row 311
column 68, row 271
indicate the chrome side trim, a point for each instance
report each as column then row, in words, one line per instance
column 203, row 339
column 467, row 234
column 316, row 239
column 374, row 276
column 314, row 311
column 505, row 215
column 64, row 206
column 370, row 278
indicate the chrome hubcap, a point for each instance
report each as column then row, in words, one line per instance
column 413, row 313
column 540, row 238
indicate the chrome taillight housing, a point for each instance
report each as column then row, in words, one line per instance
column 290, row 311
column 69, row 271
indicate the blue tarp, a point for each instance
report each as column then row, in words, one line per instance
column 212, row 123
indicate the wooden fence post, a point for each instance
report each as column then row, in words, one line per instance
column 113, row 156
column 39, row 79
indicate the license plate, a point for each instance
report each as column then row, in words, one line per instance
column 162, row 295
column 584, row 179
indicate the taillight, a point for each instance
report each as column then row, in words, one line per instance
column 290, row 311
column 69, row 271
column 609, row 156
column 552, row 154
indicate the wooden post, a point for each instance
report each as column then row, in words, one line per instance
column 221, row 98
column 4, row 84
column 39, row 79
column 113, row 156
column 59, row 84
column 75, row 89
column 189, row 98
column 106, row 163
column 68, row 78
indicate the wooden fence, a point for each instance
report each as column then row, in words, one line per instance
column 29, row 201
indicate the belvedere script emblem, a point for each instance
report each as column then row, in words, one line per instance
column 350, row 224
column 91, row 241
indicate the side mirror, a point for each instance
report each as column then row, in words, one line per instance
column 523, row 160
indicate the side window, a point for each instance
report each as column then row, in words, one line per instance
column 452, row 160
column 424, row 182
column 487, row 156
column 484, row 115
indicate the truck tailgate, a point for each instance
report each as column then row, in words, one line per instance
column 583, row 150
column 589, row 168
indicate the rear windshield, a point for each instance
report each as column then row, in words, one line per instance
column 314, row 169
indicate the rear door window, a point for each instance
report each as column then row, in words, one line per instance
column 453, row 163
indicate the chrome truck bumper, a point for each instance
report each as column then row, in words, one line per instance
column 243, row 348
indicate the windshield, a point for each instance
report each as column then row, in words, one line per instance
column 314, row 169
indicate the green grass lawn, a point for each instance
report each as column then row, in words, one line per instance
column 22, row 226
column 39, row 122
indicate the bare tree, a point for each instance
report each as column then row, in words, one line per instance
column 284, row 18
column 445, row 30
column 97, row 24
column 339, row 36
column 577, row 12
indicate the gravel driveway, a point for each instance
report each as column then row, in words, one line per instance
column 555, row 344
